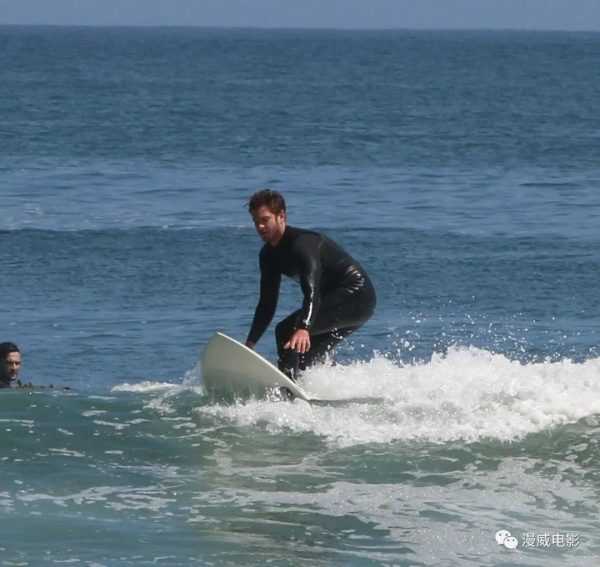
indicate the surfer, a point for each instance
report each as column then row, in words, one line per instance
column 10, row 365
column 338, row 294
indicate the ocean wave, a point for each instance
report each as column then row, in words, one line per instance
column 468, row 394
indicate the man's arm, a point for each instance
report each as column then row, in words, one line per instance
column 270, row 281
column 310, row 281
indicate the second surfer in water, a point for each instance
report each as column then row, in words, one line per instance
column 10, row 365
column 338, row 294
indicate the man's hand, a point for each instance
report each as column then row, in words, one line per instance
column 250, row 344
column 300, row 341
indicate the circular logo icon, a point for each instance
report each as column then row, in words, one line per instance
column 501, row 535
column 511, row 542
column 504, row 537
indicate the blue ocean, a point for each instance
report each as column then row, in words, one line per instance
column 461, row 169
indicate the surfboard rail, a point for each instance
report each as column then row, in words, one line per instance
column 230, row 367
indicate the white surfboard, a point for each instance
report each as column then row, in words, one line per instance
column 230, row 367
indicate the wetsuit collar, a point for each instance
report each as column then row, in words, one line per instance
column 285, row 236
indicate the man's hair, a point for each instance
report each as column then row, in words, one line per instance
column 268, row 198
column 6, row 349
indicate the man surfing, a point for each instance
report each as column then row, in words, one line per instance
column 338, row 294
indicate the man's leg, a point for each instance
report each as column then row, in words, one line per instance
column 322, row 346
column 341, row 312
column 288, row 361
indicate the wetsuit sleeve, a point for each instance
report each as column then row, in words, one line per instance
column 309, row 256
column 270, row 280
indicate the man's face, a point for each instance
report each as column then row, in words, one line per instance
column 270, row 226
column 10, row 366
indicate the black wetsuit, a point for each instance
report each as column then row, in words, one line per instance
column 338, row 295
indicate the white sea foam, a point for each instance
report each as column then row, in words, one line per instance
column 168, row 388
column 143, row 387
column 467, row 394
column 66, row 452
column 161, row 397
column 118, row 498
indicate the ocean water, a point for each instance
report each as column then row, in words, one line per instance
column 460, row 168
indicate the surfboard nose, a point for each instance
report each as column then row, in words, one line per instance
column 230, row 367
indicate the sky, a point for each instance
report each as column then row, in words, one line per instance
column 342, row 14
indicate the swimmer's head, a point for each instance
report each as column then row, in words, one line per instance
column 10, row 362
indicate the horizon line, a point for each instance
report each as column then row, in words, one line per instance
column 304, row 28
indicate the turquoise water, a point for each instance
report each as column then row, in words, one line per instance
column 460, row 168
